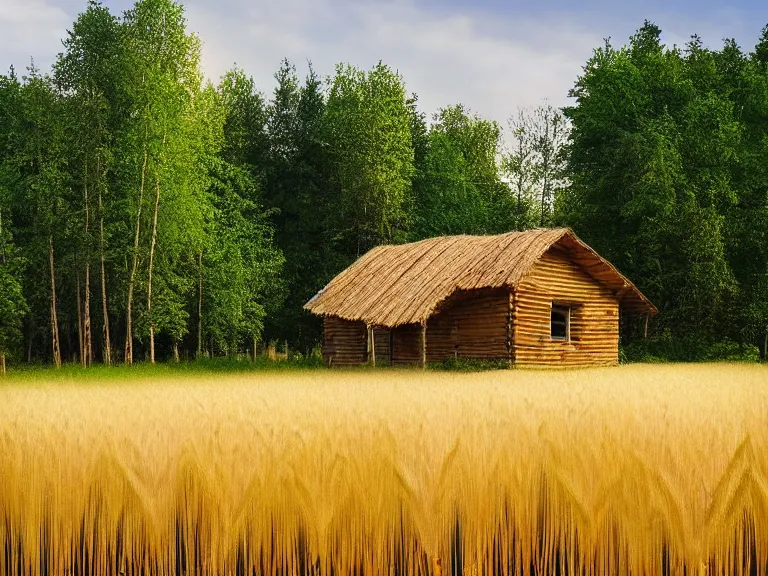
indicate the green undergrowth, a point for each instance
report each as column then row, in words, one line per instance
column 464, row 365
column 666, row 348
column 145, row 370
column 650, row 351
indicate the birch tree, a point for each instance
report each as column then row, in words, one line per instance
column 13, row 305
column 461, row 191
column 40, row 158
column 370, row 138
column 87, row 73
column 163, row 80
column 537, row 163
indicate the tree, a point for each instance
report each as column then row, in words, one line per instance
column 537, row 162
column 652, row 146
column 420, row 145
column 306, row 221
column 519, row 166
column 745, row 79
column 237, row 265
column 245, row 139
column 87, row 73
column 163, row 81
column 461, row 191
column 450, row 202
column 370, row 139
column 240, row 266
column 13, row 306
column 39, row 167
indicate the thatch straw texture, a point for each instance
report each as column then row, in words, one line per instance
column 395, row 285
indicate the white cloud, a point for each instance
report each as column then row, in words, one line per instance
column 31, row 28
column 492, row 66
column 493, row 63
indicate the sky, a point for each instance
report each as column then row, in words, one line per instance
column 494, row 56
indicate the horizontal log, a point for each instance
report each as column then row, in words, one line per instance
column 555, row 279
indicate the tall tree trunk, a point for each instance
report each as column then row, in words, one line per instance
column 107, row 357
column 80, row 339
column 2, row 259
column 765, row 346
column 151, row 262
column 149, row 280
column 56, row 348
column 87, row 345
column 200, row 305
column 132, row 278
column 545, row 168
column 87, row 340
column 2, row 256
column 176, row 352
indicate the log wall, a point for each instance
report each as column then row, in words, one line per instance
column 594, row 316
column 471, row 324
column 382, row 339
column 345, row 342
column 406, row 344
column 493, row 324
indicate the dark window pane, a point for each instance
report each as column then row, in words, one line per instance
column 559, row 324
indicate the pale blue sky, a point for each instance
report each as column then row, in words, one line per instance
column 493, row 55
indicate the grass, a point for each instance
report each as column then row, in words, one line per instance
column 145, row 370
column 631, row 470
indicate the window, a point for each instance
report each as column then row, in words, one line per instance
column 560, row 323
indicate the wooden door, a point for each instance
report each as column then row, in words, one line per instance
column 382, row 338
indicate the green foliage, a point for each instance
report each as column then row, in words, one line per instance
column 668, row 348
column 369, row 129
column 203, row 367
column 460, row 191
column 119, row 168
column 246, row 142
column 465, row 365
column 537, row 164
column 204, row 217
column 301, row 191
column 661, row 166
column 13, row 305
column 240, row 266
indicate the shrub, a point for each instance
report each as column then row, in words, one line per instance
column 668, row 348
column 467, row 365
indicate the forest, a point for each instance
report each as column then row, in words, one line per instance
column 148, row 214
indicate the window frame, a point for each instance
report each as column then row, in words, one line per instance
column 565, row 311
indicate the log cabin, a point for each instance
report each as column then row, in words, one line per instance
column 535, row 298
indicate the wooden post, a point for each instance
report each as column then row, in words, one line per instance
column 510, row 306
column 2, row 364
column 371, row 346
column 765, row 346
column 55, row 343
column 645, row 329
column 423, row 361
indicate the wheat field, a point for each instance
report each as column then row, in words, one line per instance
column 633, row 470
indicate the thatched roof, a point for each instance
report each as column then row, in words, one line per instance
column 394, row 285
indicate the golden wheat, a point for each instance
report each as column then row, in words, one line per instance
column 630, row 470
